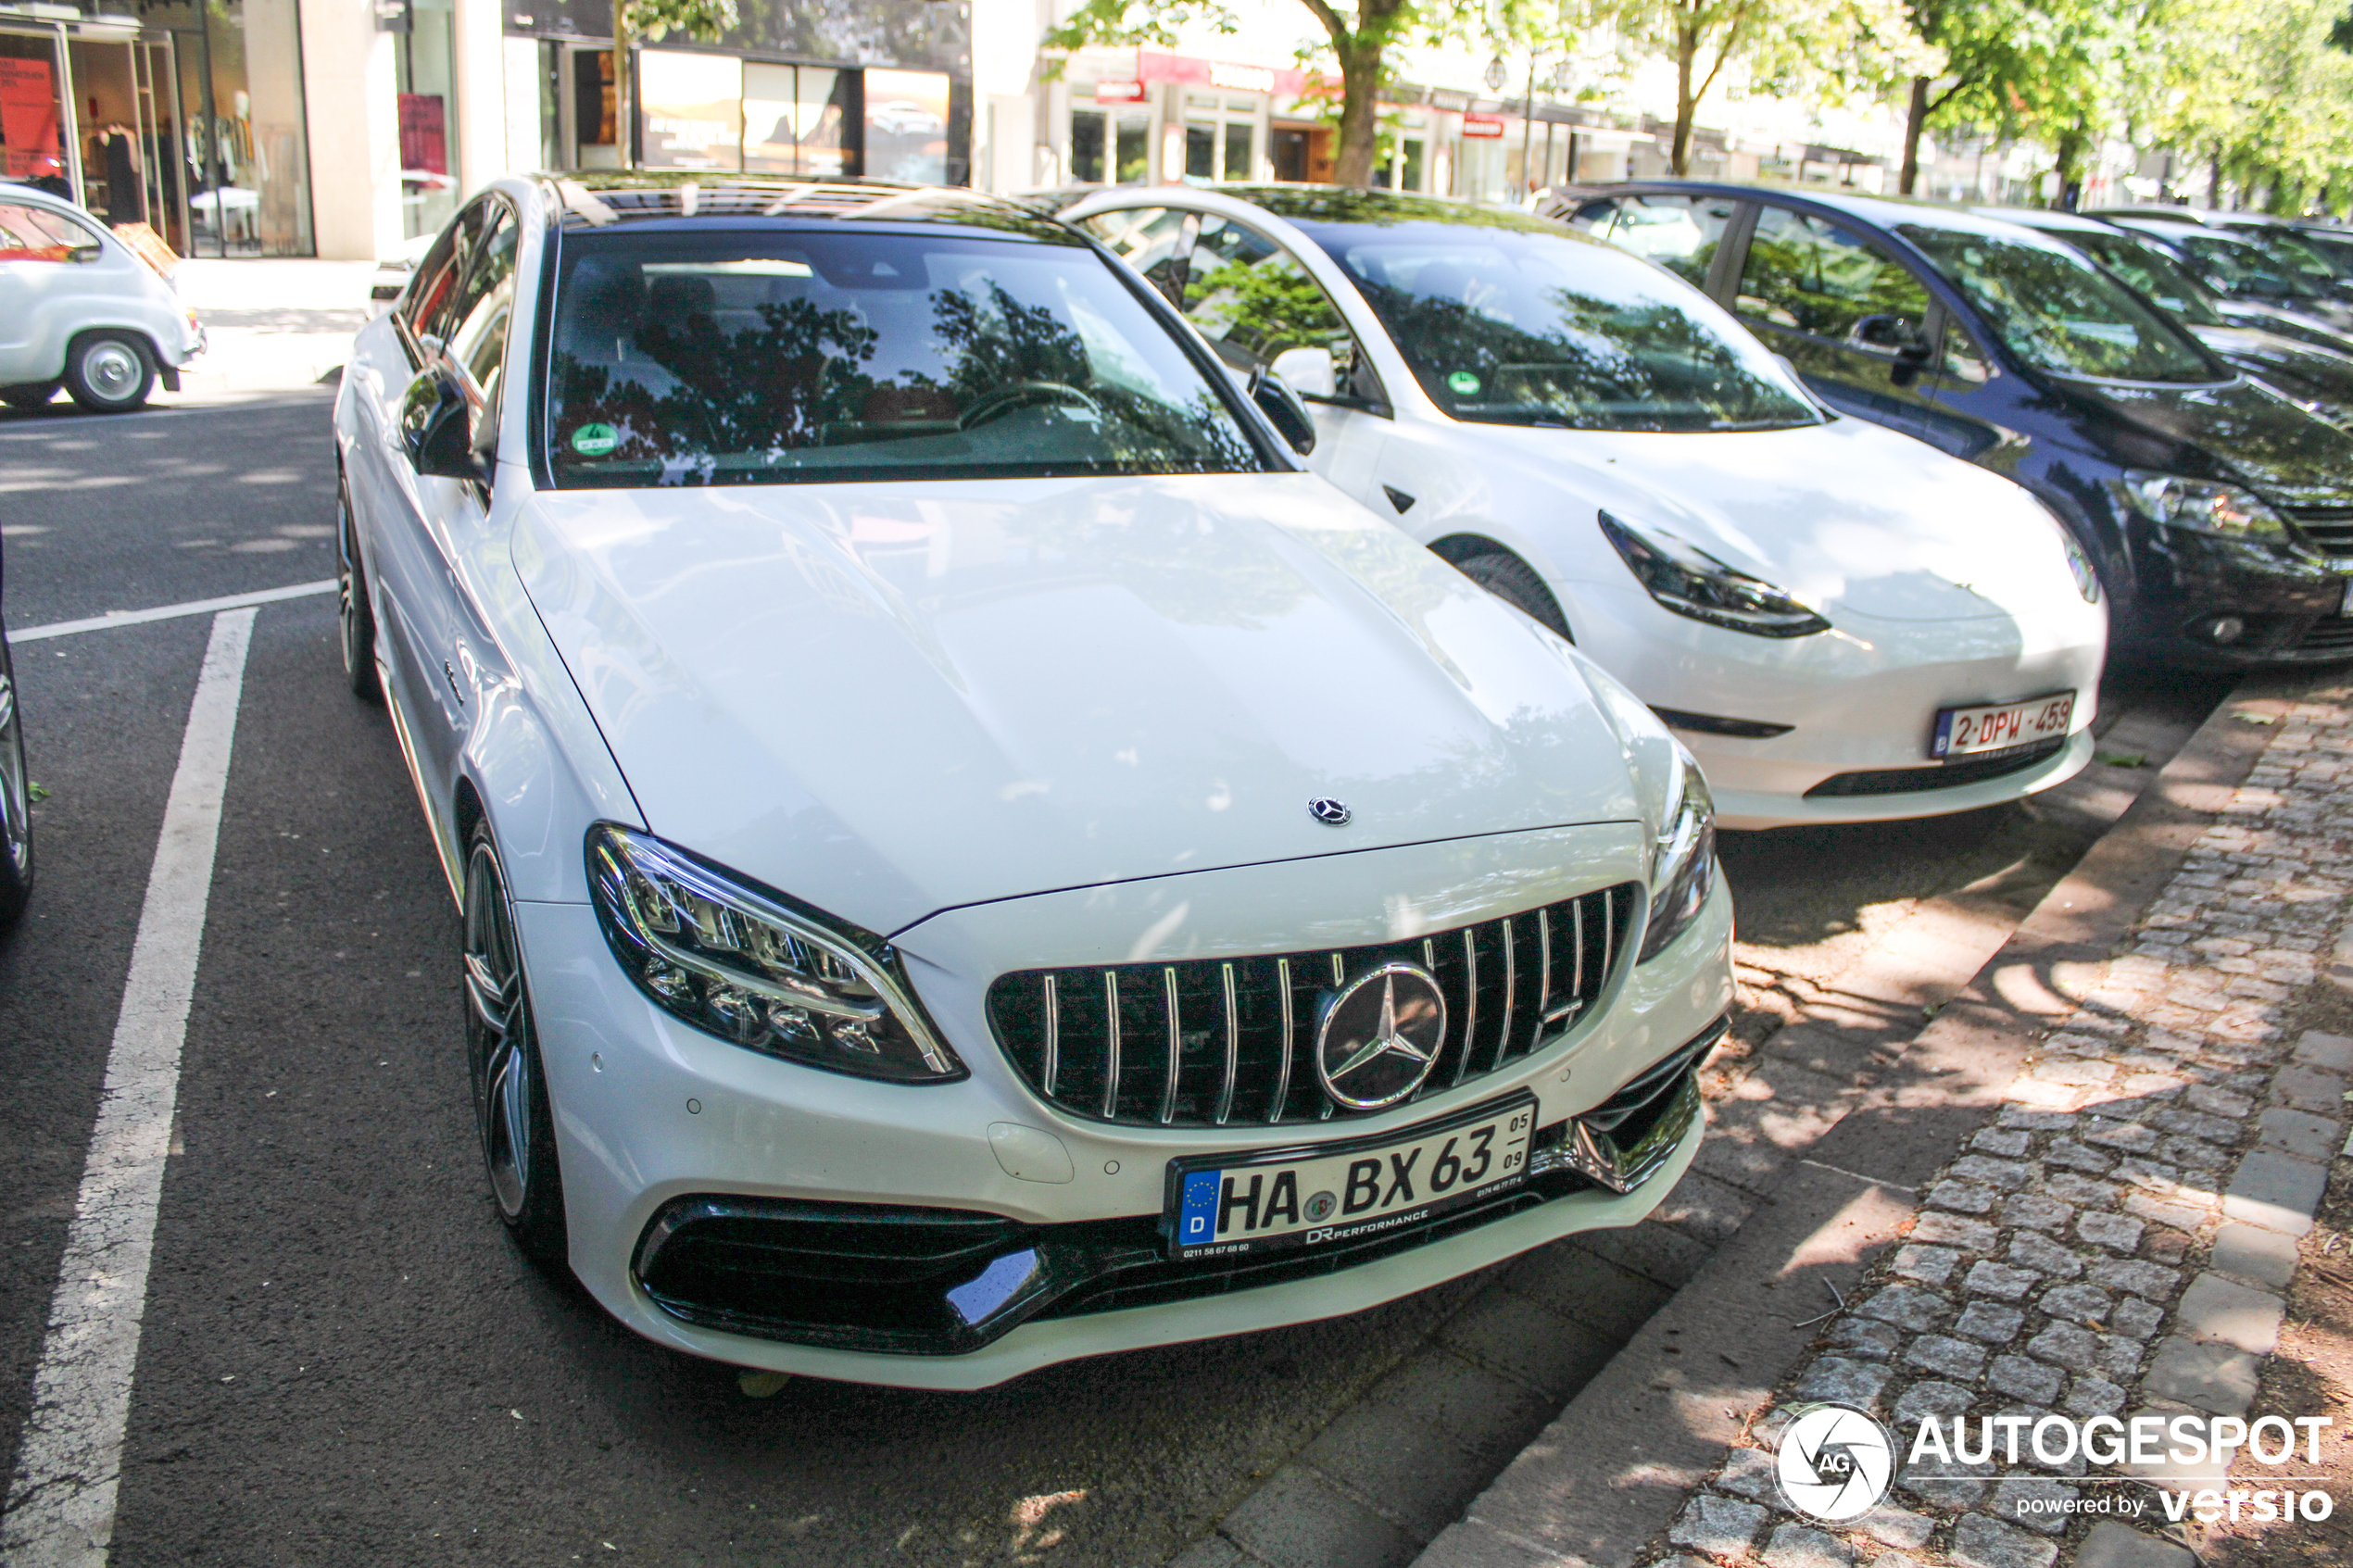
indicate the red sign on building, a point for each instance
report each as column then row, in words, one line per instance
column 1119, row 91
column 1482, row 125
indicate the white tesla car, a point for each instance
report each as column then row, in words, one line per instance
column 1844, row 623
column 970, row 855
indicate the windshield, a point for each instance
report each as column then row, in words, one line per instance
column 749, row 357
column 2058, row 311
column 1509, row 326
column 2153, row 273
column 2237, row 268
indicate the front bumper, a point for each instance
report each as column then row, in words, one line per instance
column 650, row 1115
column 2289, row 604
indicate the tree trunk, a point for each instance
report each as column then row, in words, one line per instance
column 1915, row 126
column 2214, row 177
column 1686, row 101
column 2071, row 155
column 624, row 94
column 1359, row 111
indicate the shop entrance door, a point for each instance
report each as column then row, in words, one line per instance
column 126, row 91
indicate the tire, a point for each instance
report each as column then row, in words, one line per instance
column 110, row 372
column 502, row 1057
column 355, row 612
column 1515, row 582
column 31, row 394
column 16, row 799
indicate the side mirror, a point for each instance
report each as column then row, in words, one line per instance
column 1892, row 334
column 1309, row 372
column 86, row 254
column 437, row 429
column 1284, row 411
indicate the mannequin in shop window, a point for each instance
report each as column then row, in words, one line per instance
column 116, row 150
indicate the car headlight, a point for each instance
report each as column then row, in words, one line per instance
column 734, row 961
column 2200, row 504
column 1689, row 580
column 1685, row 867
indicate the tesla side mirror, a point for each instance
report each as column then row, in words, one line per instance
column 437, row 429
column 1284, row 411
column 1308, row 371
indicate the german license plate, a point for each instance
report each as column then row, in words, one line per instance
column 1272, row 1200
column 1968, row 732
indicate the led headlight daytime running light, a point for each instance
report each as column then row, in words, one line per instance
column 2204, row 505
column 1689, row 580
column 735, row 962
column 1685, row 869
column 2079, row 560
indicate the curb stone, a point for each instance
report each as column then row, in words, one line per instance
column 1609, row 1477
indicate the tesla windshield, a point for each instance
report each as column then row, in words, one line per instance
column 1503, row 325
column 2058, row 310
column 746, row 357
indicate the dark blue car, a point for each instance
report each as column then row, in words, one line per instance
column 2220, row 513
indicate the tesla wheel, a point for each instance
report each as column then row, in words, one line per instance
column 1515, row 582
column 502, row 1051
column 16, row 799
column 33, row 394
column 110, row 372
column 355, row 615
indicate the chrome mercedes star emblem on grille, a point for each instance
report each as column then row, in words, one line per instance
column 1324, row 809
column 1380, row 1036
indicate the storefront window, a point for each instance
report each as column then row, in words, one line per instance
column 1111, row 147
column 1221, row 137
column 907, row 126
column 424, row 61
column 31, row 140
column 795, row 118
column 694, row 108
column 242, row 138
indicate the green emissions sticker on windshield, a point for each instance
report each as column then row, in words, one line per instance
column 1464, row 383
column 595, row 441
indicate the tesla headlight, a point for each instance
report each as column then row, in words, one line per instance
column 2079, row 562
column 735, row 961
column 1685, row 867
column 2201, row 503
column 1689, row 580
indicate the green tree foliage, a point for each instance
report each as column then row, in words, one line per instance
column 650, row 21
column 2258, row 92
column 2044, row 67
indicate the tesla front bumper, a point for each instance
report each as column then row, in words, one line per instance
column 967, row 1233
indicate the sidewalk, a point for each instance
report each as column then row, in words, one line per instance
column 2088, row 1189
column 272, row 326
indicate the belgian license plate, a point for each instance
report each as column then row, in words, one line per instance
column 1968, row 732
column 1272, row 1200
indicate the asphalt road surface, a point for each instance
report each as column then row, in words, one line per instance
column 343, row 1360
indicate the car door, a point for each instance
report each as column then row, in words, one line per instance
column 1857, row 322
column 423, row 522
column 39, row 281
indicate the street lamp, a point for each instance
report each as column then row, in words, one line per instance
column 1497, row 74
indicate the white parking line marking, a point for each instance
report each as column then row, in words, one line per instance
column 61, row 1505
column 113, row 619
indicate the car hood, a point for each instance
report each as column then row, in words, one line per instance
column 2309, row 374
column 1851, row 518
column 891, row 699
column 2288, row 457
column 2293, row 323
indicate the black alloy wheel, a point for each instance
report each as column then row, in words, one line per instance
column 355, row 615
column 29, row 395
column 502, row 1051
column 16, row 799
column 110, row 372
column 1515, row 582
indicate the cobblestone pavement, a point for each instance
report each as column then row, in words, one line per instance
column 2119, row 1240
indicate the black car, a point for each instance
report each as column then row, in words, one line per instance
column 2320, row 379
column 2256, row 287
column 2219, row 512
column 16, row 797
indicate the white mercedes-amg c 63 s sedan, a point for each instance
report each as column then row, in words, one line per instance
column 972, row 856
column 1844, row 623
